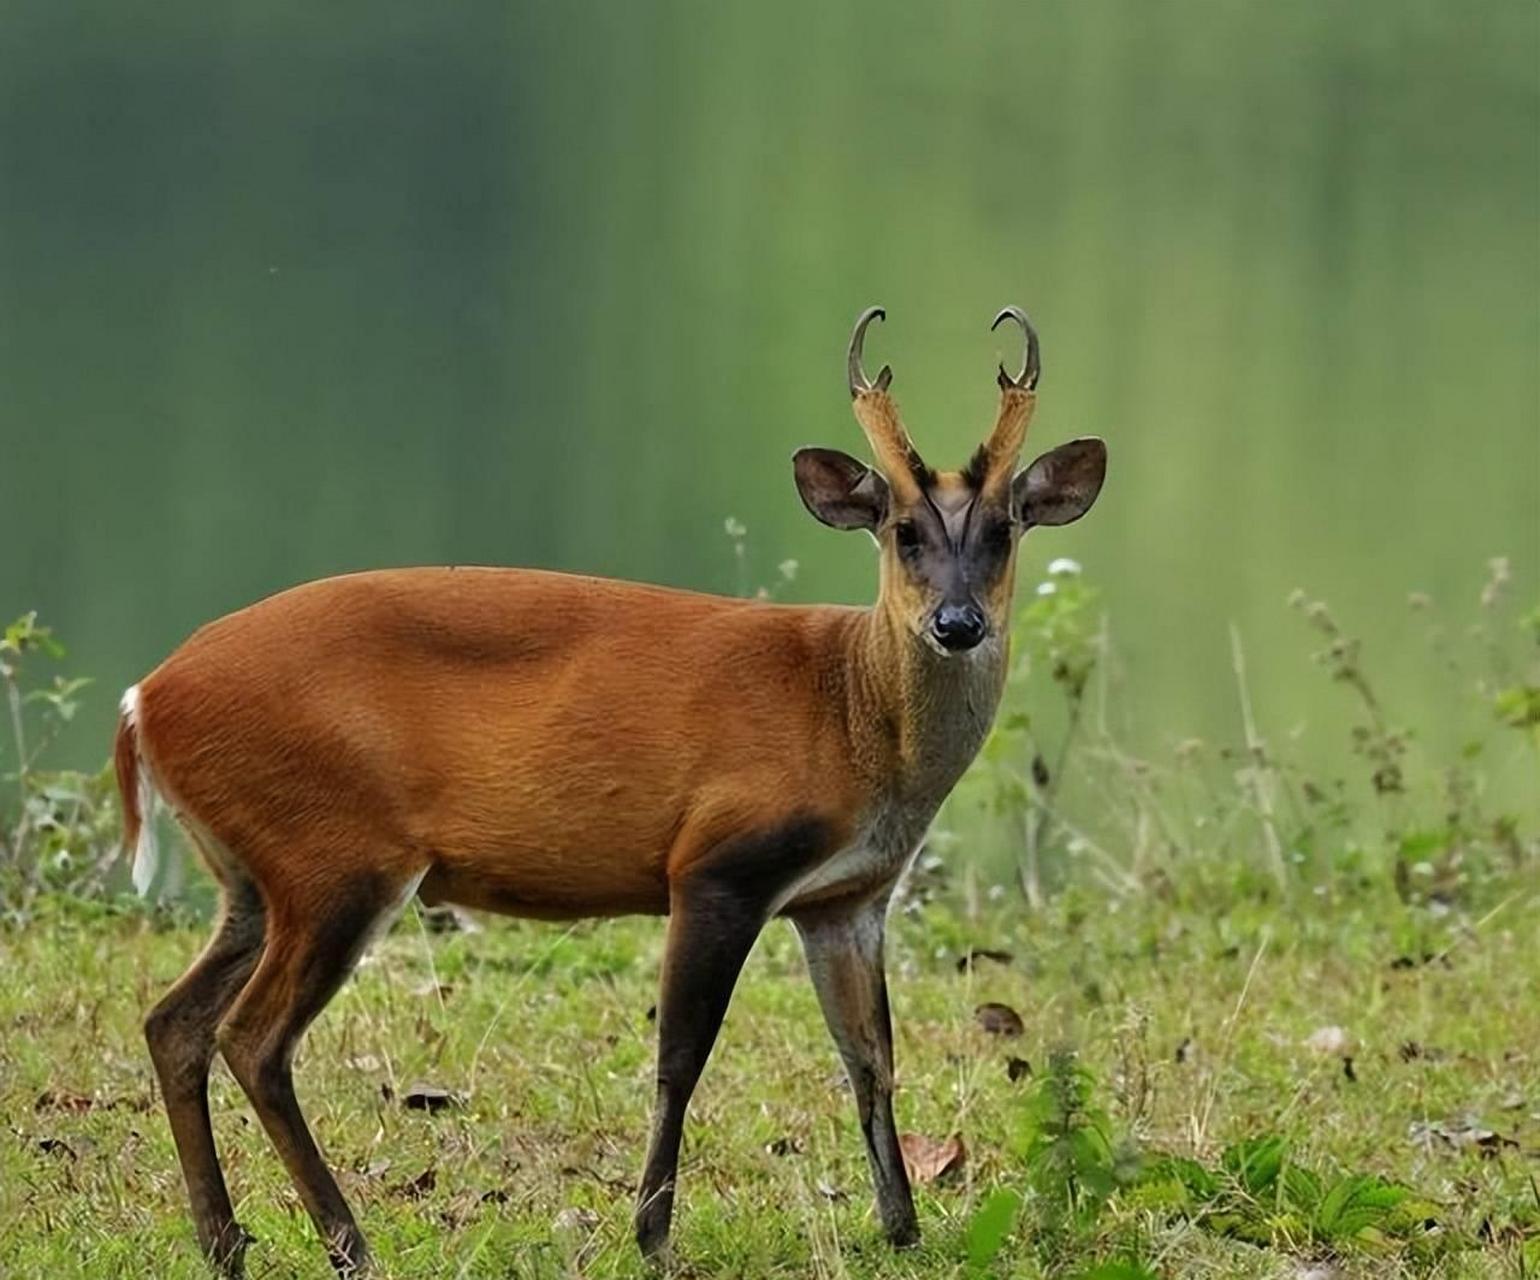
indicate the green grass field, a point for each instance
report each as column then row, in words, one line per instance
column 1303, row 1006
column 1196, row 1023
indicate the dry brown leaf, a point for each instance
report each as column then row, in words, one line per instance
column 1462, row 1133
column 973, row 955
column 931, row 1159
column 999, row 1019
column 64, row 1100
column 576, row 1220
column 430, row 1098
column 419, row 1186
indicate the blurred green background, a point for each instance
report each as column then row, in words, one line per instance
column 293, row 289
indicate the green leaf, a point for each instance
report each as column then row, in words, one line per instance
column 1518, row 706
column 1256, row 1163
column 1301, row 1187
column 1356, row 1202
column 1189, row 1174
column 1117, row 1271
column 990, row 1225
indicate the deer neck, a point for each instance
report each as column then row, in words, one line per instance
column 922, row 714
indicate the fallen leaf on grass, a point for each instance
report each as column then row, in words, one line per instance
column 430, row 1098
column 419, row 1186
column 1461, row 1134
column 931, row 1159
column 973, row 955
column 784, row 1147
column 1426, row 958
column 576, row 1220
column 999, row 1019
column 622, row 1185
column 74, row 1104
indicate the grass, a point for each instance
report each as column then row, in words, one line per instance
column 1285, row 988
column 1195, row 1023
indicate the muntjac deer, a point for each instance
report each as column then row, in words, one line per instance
column 547, row 745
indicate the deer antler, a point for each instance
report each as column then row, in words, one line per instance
column 995, row 460
column 897, row 458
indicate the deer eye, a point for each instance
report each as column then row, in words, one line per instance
column 906, row 536
column 996, row 535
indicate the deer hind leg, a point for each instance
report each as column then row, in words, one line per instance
column 180, row 1032
column 314, row 940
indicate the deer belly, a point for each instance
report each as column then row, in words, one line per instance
column 547, row 889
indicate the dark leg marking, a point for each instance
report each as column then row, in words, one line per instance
column 180, row 1032
column 717, row 908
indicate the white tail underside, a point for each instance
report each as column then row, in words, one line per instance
column 147, row 848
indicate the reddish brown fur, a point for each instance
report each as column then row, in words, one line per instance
column 570, row 775
column 125, row 763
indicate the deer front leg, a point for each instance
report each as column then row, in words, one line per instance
column 843, row 945
column 711, row 930
column 721, row 892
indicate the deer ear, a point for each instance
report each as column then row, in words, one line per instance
column 1060, row 486
column 839, row 490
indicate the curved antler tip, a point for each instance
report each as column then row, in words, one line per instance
column 1009, row 313
column 1031, row 367
column 856, row 376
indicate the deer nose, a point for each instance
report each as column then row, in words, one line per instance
column 958, row 626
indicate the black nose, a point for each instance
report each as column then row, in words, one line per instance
column 958, row 626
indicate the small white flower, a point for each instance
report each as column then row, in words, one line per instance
column 1329, row 1042
column 1065, row 566
column 1046, row 588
